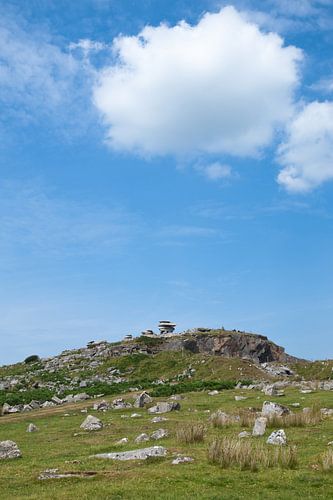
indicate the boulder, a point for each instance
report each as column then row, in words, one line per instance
column 26, row 408
column 56, row 400
column 91, row 423
column 269, row 408
column 142, row 400
column 5, row 409
column 142, row 438
column 101, row 406
column 141, row 454
column 120, row 404
column 9, row 449
column 164, row 407
column 277, row 438
column 32, row 428
column 259, row 427
column 159, row 434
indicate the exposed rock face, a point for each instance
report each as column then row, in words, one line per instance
column 91, row 423
column 231, row 344
column 277, row 438
column 9, row 449
column 141, row 454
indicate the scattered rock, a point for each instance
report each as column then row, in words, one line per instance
column 101, row 406
column 244, row 434
column 142, row 400
column 164, row 407
column 135, row 415
column 142, row 438
column 122, row 441
column 328, row 412
column 240, row 398
column 91, row 423
column 55, row 474
column 295, row 405
column 156, row 420
column 259, row 427
column 277, row 438
column 182, row 460
column 213, row 393
column 32, row 428
column 159, row 434
column 141, row 454
column 269, row 408
column 9, row 449
column 120, row 404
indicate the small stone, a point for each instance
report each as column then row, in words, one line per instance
column 32, row 428
column 156, row 420
column 135, row 415
column 182, row 460
column 213, row 393
column 244, row 434
column 122, row 441
column 240, row 398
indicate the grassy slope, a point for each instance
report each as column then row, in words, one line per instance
column 55, row 444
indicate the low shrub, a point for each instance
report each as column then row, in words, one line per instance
column 31, row 359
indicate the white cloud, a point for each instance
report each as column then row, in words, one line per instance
column 215, row 171
column 307, row 154
column 39, row 79
column 87, row 46
column 221, row 86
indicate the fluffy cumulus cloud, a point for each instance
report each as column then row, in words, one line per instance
column 307, row 154
column 221, row 86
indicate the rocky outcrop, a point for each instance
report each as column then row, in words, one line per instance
column 9, row 449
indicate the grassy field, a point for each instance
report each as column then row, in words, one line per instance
column 60, row 443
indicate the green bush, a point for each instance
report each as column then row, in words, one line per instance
column 31, row 359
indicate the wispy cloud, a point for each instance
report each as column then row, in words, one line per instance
column 37, row 222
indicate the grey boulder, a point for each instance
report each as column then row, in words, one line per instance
column 91, row 423
column 277, row 438
column 9, row 449
column 141, row 454
column 164, row 407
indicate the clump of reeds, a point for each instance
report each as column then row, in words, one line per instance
column 300, row 419
column 191, row 433
column 246, row 455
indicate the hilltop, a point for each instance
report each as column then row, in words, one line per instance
column 197, row 359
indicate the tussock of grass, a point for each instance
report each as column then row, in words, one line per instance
column 326, row 460
column 221, row 419
column 299, row 419
column 247, row 455
column 192, row 433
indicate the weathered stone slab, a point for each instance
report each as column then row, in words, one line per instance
column 141, row 454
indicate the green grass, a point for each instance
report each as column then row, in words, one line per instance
column 55, row 446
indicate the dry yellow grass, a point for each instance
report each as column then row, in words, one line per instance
column 191, row 433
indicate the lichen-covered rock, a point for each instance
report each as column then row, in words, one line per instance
column 164, row 407
column 9, row 449
column 182, row 460
column 142, row 438
column 277, row 438
column 91, row 423
column 141, row 454
column 259, row 427
column 269, row 408
column 159, row 434
column 142, row 400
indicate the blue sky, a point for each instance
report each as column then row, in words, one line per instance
column 164, row 160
